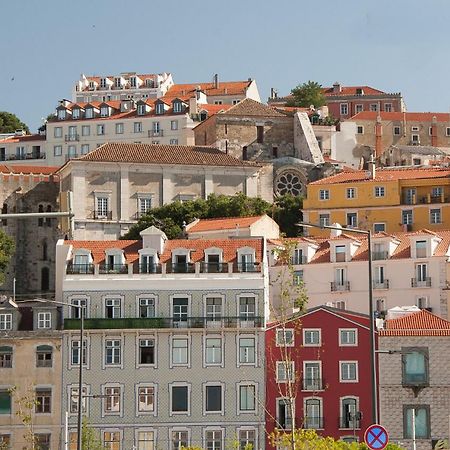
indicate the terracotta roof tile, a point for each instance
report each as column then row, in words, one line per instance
column 351, row 90
column 422, row 323
column 27, row 170
column 249, row 107
column 226, row 223
column 224, row 88
column 402, row 116
column 98, row 248
column 26, row 138
column 385, row 174
column 163, row 154
column 213, row 109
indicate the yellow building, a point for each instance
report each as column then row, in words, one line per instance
column 389, row 199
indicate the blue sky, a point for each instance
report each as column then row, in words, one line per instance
column 400, row 45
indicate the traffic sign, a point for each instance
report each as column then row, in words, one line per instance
column 376, row 437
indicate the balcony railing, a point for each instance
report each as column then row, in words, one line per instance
column 248, row 267
column 338, row 286
column 113, row 268
column 313, row 423
column 312, row 384
column 162, row 322
column 150, row 268
column 381, row 284
column 180, row 268
column 425, row 282
column 297, row 260
column 351, row 424
column 80, row 268
column 155, row 133
column 102, row 215
column 380, row 255
column 210, row 267
column 71, row 137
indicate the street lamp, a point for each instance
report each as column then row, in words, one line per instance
column 373, row 368
column 81, row 308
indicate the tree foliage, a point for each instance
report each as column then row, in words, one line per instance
column 10, row 122
column 170, row 218
column 7, row 248
column 90, row 437
column 307, row 94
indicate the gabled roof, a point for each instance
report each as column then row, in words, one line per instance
column 98, row 248
column 422, row 323
column 249, row 107
column 351, row 90
column 401, row 116
column 385, row 174
column 162, row 154
column 225, row 223
column 223, row 88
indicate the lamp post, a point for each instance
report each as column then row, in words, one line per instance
column 373, row 367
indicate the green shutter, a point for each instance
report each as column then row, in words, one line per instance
column 5, row 402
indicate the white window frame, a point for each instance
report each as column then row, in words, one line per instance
column 379, row 191
column 245, row 384
column 351, row 193
column 347, row 330
column 84, row 149
column 435, row 218
column 343, row 109
column 180, row 338
column 214, row 430
column 324, row 194
column 288, row 370
column 222, row 386
column 319, row 386
column 85, row 130
column 308, row 344
column 57, row 150
column 100, row 129
column 189, row 392
column 113, row 364
column 140, row 338
column 57, row 132
column 280, row 337
column 112, row 431
column 379, row 223
column 119, row 128
column 255, row 358
column 44, row 320
column 144, row 296
column 154, row 440
column 120, row 298
column 206, row 337
column 6, row 320
column 341, row 379
column 86, row 344
column 72, row 391
column 359, row 129
column 137, row 127
column 174, row 125
column 395, row 129
column 179, row 430
column 106, row 386
column 155, row 397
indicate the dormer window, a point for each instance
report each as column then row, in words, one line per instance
column 181, row 261
column 141, row 109
column 149, row 83
column 340, row 253
column 298, row 257
column 76, row 113
column 103, row 83
column 213, row 261
column 104, row 111
column 148, row 261
column 89, row 113
column 115, row 261
column 159, row 108
column 118, row 82
column 421, row 249
column 82, row 261
column 246, row 260
column 61, row 114
column 91, row 85
column 133, row 83
column 177, row 107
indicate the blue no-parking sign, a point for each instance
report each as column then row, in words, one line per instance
column 376, row 437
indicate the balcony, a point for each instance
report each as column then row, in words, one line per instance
column 340, row 286
column 298, row 260
column 210, row 267
column 155, row 133
column 313, row 423
column 150, row 268
column 101, row 215
column 376, row 256
column 247, row 267
column 80, row 268
column 161, row 322
column 425, row 282
column 113, row 268
column 312, row 384
column 71, row 137
column 347, row 423
column 381, row 284
column 180, row 268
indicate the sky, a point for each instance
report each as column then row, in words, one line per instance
column 397, row 46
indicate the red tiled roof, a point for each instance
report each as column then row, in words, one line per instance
column 226, row 223
column 224, row 88
column 422, row 323
column 27, row 170
column 163, row 154
column 351, row 90
column 402, row 116
column 249, row 107
column 98, row 248
column 385, row 174
column 26, row 138
column 213, row 109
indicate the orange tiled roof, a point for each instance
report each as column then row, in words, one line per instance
column 163, row 154
column 26, row 138
column 27, row 170
column 213, row 109
column 385, row 174
column 422, row 323
column 351, row 90
column 249, row 107
column 98, row 248
column 225, row 223
column 224, row 88
column 402, row 116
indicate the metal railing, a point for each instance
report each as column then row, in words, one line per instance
column 155, row 133
column 425, row 282
column 313, row 423
column 381, row 284
column 149, row 268
column 209, row 267
column 99, row 215
column 247, row 267
column 180, row 267
column 312, row 384
column 80, row 268
column 376, row 256
column 348, row 423
column 338, row 286
column 297, row 260
column 113, row 268
column 71, row 137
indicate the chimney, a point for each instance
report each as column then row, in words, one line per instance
column 337, row 87
column 434, row 140
column 372, row 168
column 378, row 134
column 193, row 106
column 216, row 81
column 273, row 93
column 335, row 233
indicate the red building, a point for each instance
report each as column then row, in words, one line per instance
column 326, row 355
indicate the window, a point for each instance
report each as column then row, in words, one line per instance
column 44, row 356
column 146, row 307
column 246, row 350
column 285, row 371
column 141, row 109
column 359, row 108
column 57, row 150
column 145, row 204
column 180, row 399
column 213, row 439
column 313, row 413
column 145, row 440
column 311, row 337
column 5, row 402
column 72, row 151
column 348, row 371
column 44, row 320
column 247, row 397
column 350, row 416
column 146, row 351
column 57, row 132
column 352, row 220
column 415, row 366
column 407, row 217
column 112, row 351
column 397, row 131
column 344, row 109
column 174, row 124
column 180, row 439
column 379, row 191
column 159, row 108
column 421, row 274
column 422, row 302
column 213, row 306
column 180, row 351
column 297, row 277
column 102, row 207
column 100, row 130
column 379, row 227
column 119, row 128
column 285, row 337
column 42, row 441
column 137, row 127
column 324, row 194
column 6, row 356
column 61, row 114
column 437, row 192
column 324, row 220
column 414, row 128
column 247, row 439
column 73, row 400
column 260, row 134
column 111, row 440
column 348, row 336
column 421, row 420
column 173, row 142
column 113, row 308
column 421, row 249
column 84, row 149
column 104, row 111
column 111, row 402
column 415, row 138
column 146, row 395
column 213, row 399
column 213, row 351
column 284, row 414
column 340, row 251
column 85, row 130
column 360, row 129
column 177, row 107
column 388, row 107
column 247, row 308
column 435, row 216
column 43, row 401
column 374, row 107
column 75, row 352
column 180, row 311
column 89, row 113
column 447, row 131
column 351, row 192
column 312, row 380
column 6, row 321
column 218, row 102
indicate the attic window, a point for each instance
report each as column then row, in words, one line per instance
column 149, row 82
column 91, row 85
column 61, row 114
column 260, row 134
column 359, row 91
column 89, row 113
column 76, row 113
column 177, row 107
column 141, row 110
column 117, row 82
column 104, row 111
column 133, row 83
column 103, row 83
column 159, row 108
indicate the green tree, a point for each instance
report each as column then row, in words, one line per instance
column 7, row 248
column 90, row 437
column 307, row 94
column 10, row 122
column 287, row 213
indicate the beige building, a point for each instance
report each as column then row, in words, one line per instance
column 413, row 379
column 24, row 149
column 117, row 183
column 30, row 362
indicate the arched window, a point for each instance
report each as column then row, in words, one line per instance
column 45, row 279
column 40, row 219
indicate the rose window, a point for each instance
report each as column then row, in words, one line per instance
column 288, row 183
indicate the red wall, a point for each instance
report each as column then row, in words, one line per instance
column 329, row 353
